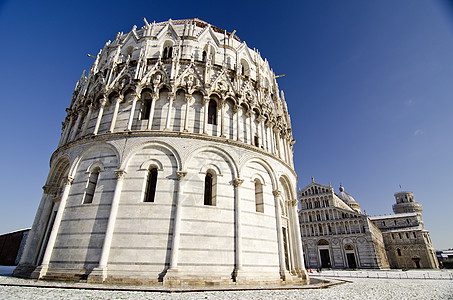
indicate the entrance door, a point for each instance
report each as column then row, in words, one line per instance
column 325, row 258
column 351, row 260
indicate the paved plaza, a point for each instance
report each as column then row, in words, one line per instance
column 352, row 285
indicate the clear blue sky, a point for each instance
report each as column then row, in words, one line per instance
column 369, row 87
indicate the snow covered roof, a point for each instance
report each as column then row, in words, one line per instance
column 394, row 216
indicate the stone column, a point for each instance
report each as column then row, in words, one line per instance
column 102, row 103
column 115, row 114
column 63, row 135
column 222, row 114
column 177, row 223
column 238, row 127
column 87, row 120
column 132, row 113
column 76, row 126
column 68, row 129
column 281, row 248
column 237, row 226
column 252, row 135
column 205, row 110
column 188, row 98
column 56, row 226
column 33, row 238
column 99, row 274
column 151, row 111
column 277, row 142
column 170, row 105
column 247, row 127
column 263, row 133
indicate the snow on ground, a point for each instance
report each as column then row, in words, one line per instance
column 355, row 288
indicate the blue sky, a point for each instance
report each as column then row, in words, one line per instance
column 369, row 87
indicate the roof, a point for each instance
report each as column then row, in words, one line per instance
column 404, row 229
column 394, row 216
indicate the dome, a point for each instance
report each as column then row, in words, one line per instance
column 349, row 199
column 175, row 157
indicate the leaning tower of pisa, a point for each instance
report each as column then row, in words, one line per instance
column 175, row 167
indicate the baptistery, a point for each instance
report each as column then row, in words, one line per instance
column 175, row 167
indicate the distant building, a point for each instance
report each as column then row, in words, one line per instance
column 445, row 258
column 407, row 242
column 11, row 246
column 335, row 233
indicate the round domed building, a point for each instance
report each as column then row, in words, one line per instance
column 174, row 166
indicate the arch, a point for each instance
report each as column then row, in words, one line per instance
column 82, row 154
column 205, row 169
column 96, row 164
column 245, row 67
column 266, row 165
column 94, row 170
column 150, row 163
column 215, row 149
column 323, row 242
column 58, row 171
column 139, row 147
column 259, row 201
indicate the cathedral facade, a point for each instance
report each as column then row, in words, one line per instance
column 175, row 166
column 335, row 233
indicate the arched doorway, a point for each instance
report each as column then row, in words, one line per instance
column 324, row 254
column 350, row 256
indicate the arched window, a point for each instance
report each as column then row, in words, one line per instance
column 204, row 55
column 212, row 112
column 165, row 53
column 151, row 183
column 91, row 185
column 259, row 196
column 210, row 189
column 399, row 251
column 146, row 109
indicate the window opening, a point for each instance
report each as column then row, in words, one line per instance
column 259, row 196
column 146, row 110
column 151, row 184
column 212, row 112
column 208, row 189
column 91, row 186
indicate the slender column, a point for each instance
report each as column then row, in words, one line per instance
column 32, row 239
column 170, row 105
column 151, row 111
column 251, row 129
column 63, row 135
column 177, row 223
column 111, row 222
column 222, row 111
column 87, row 120
column 247, row 127
column 263, row 133
column 76, row 126
column 281, row 248
column 188, row 98
column 205, row 111
column 277, row 142
column 68, row 129
column 101, row 111
column 238, row 226
column 56, row 226
column 115, row 114
column 132, row 113
column 238, row 127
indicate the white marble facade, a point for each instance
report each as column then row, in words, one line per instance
column 187, row 101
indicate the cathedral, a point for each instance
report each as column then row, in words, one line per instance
column 175, row 166
column 336, row 234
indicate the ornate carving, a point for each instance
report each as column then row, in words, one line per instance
column 237, row 182
column 181, row 174
column 277, row 193
column 68, row 180
column 120, row 174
